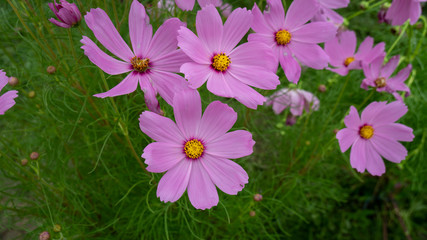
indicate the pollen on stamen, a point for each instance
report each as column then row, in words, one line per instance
column 366, row 131
column 380, row 82
column 221, row 62
column 283, row 37
column 348, row 61
column 194, row 149
column 139, row 64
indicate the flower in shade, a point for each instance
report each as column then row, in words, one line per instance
column 152, row 63
column 296, row 100
column 290, row 38
column 402, row 10
column 325, row 12
column 7, row 100
column 227, row 69
column 187, row 5
column 343, row 56
column 67, row 13
column 375, row 134
column 195, row 151
column 378, row 76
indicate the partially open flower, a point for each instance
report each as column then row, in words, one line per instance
column 67, row 13
column 295, row 99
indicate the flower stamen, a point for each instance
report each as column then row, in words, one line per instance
column 366, row 131
column 194, row 149
column 140, row 65
column 283, row 37
column 380, row 82
column 221, row 62
column 348, row 61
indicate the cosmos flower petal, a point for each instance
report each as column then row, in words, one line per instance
column 372, row 110
column 159, row 128
column 364, row 48
column 167, row 84
column 3, row 79
column 232, row 145
column 395, row 131
column 389, row 68
column 276, row 15
column 102, row 60
column 161, row 156
column 291, row 68
column 254, row 53
column 59, row 24
column 193, row 46
column 201, row 190
column 259, row 24
column 334, row 50
column 390, row 113
column 348, row 43
column 185, row 5
column 262, row 37
column 352, row 119
column 170, row 62
column 175, row 181
column 165, row 38
column 196, row 74
column 389, row 149
column 346, row 138
column 255, row 76
column 187, row 109
column 104, row 30
column 316, row 32
column 227, row 175
column 372, row 71
column 310, row 54
column 140, row 30
column 126, row 86
column 334, row 4
column 358, row 155
column 235, row 28
column 209, row 28
column 299, row 12
column 150, row 94
column 374, row 164
column 343, row 71
column 217, row 119
column 66, row 16
column 7, row 101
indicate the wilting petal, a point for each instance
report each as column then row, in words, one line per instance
column 160, row 128
column 232, row 145
column 161, row 156
column 126, row 86
column 217, row 119
column 174, row 182
column 201, row 190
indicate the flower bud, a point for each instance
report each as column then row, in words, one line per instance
column 51, row 69
column 34, row 155
column 67, row 13
column 57, row 228
column 24, row 162
column 31, row 94
column 13, row 81
column 252, row 213
column 44, row 236
column 257, row 197
column 322, row 88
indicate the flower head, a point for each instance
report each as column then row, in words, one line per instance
column 343, row 56
column 325, row 12
column 402, row 10
column 7, row 100
column 227, row 69
column 67, row 13
column 375, row 134
column 152, row 63
column 290, row 38
column 378, row 76
column 195, row 151
column 295, row 99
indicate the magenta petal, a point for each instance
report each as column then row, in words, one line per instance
column 160, row 128
column 3, row 79
column 193, row 46
column 346, row 137
column 140, row 30
column 187, row 108
column 364, row 48
column 291, row 68
column 161, row 156
column 165, row 39
column 232, row 145
column 390, row 113
column 236, row 26
column 395, row 131
column 259, row 24
column 66, row 16
column 343, row 71
column 275, row 16
column 170, row 62
column 352, row 120
column 374, row 163
column 150, row 93
column 334, row 4
column 371, row 111
column 104, row 30
column 201, row 190
column 254, row 53
column 7, row 101
column 299, row 12
column 310, row 54
column 218, row 85
column 174, row 182
column 389, row 68
column 59, row 24
column 126, row 86
column 227, row 175
column 167, row 84
column 389, row 149
column 217, row 119
column 372, row 70
column 348, row 43
column 335, row 52
column 209, row 28
column 255, row 76
column 316, row 32
column 102, row 60
column 358, row 155
column 185, row 5
column 196, row 74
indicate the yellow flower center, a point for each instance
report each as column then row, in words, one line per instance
column 348, row 61
column 194, row 149
column 283, row 37
column 366, row 132
column 140, row 65
column 221, row 62
column 380, row 82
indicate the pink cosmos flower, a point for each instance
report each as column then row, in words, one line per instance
column 152, row 63
column 402, row 10
column 295, row 99
column 289, row 38
column 341, row 52
column 7, row 99
column 187, row 5
column 195, row 151
column 67, row 13
column 378, row 76
column 227, row 69
column 375, row 134
column 325, row 12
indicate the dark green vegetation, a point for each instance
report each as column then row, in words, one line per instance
column 89, row 180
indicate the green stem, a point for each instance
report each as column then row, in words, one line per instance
column 403, row 30
column 365, row 10
column 421, row 39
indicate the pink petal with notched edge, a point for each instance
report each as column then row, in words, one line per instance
column 358, row 155
column 372, row 71
column 209, row 28
column 275, row 16
column 364, row 48
column 218, row 85
column 204, row 3
column 175, row 181
column 253, row 53
column 352, row 120
column 193, row 46
column 389, row 149
column 170, row 62
column 316, row 32
column 299, row 12
column 185, row 5
column 126, row 86
column 59, row 24
column 396, row 83
column 102, row 60
column 187, row 109
column 7, row 101
column 395, row 131
column 291, row 67
column 374, row 163
column 346, row 137
column 310, row 54
column 160, row 128
column 235, row 28
column 227, row 175
column 390, row 113
column 140, row 30
column 165, row 38
column 3, row 79
column 217, row 119
column 201, row 190
column 104, row 30
column 161, row 157
column 335, row 52
column 196, row 74
column 255, row 76
column 150, row 93
column 259, row 24
column 232, row 145
column 377, row 51
column 167, row 84
column 348, row 43
column 371, row 111
column 389, row 68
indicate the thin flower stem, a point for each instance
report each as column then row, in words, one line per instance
column 403, row 30
column 367, row 98
column 421, row 39
column 365, row 10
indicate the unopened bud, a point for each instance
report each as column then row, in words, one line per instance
column 51, row 69
column 13, row 81
column 24, row 162
column 336, row 131
column 257, row 197
column 322, row 88
column 31, row 94
column 44, row 236
column 34, row 155
column 252, row 213
column 57, row 228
